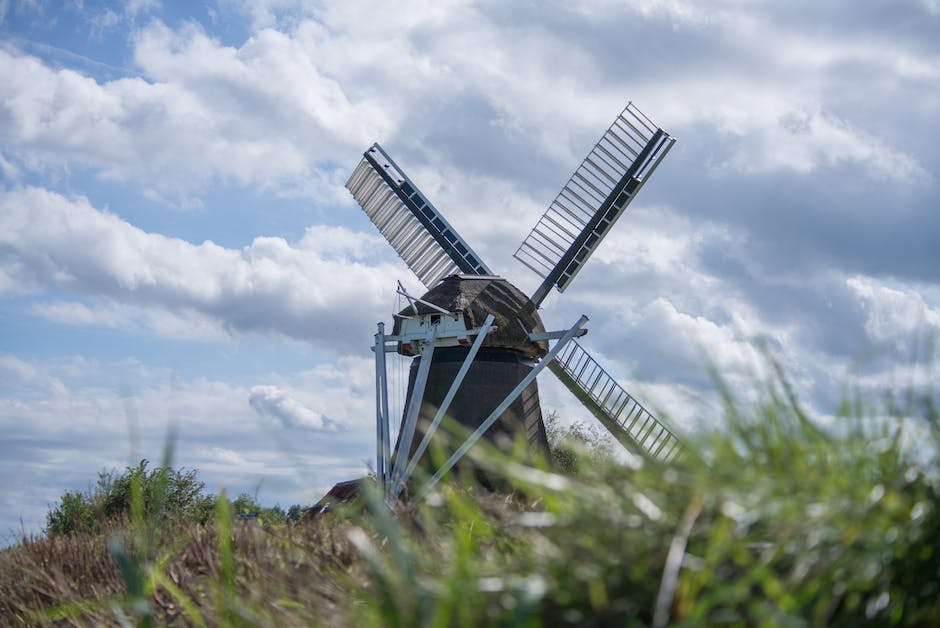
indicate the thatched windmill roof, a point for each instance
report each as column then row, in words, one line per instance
column 475, row 297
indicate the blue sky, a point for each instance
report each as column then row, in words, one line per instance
column 177, row 248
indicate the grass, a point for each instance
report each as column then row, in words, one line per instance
column 776, row 522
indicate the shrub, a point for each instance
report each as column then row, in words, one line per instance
column 75, row 513
column 176, row 493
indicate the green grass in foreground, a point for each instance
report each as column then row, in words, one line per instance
column 777, row 523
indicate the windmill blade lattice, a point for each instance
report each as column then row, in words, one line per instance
column 617, row 410
column 411, row 224
column 593, row 199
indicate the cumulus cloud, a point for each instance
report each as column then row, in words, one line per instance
column 307, row 291
column 278, row 404
column 276, row 111
column 262, row 116
column 803, row 141
column 485, row 141
column 892, row 314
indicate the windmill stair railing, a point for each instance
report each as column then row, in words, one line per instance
column 623, row 416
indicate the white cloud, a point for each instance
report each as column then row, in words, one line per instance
column 278, row 404
column 226, row 457
column 263, row 115
column 894, row 315
column 15, row 368
column 185, row 323
column 9, row 170
column 133, row 8
column 104, row 21
column 306, row 291
column 272, row 112
column 696, row 337
column 803, row 141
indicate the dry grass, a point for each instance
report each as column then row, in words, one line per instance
column 289, row 575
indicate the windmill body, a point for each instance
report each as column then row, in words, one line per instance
column 478, row 340
column 506, row 356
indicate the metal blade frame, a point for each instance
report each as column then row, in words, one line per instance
column 617, row 410
column 593, row 199
column 406, row 193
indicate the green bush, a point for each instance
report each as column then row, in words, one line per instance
column 176, row 493
column 180, row 491
column 75, row 513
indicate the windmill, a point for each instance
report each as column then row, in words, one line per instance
column 478, row 340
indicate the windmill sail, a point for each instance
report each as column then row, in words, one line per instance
column 623, row 416
column 411, row 224
column 593, row 199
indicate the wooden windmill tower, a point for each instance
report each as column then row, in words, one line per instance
column 478, row 340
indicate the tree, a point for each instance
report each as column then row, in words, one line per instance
column 295, row 513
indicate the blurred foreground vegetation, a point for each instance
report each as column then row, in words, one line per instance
column 769, row 520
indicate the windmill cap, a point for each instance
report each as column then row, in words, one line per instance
column 475, row 296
